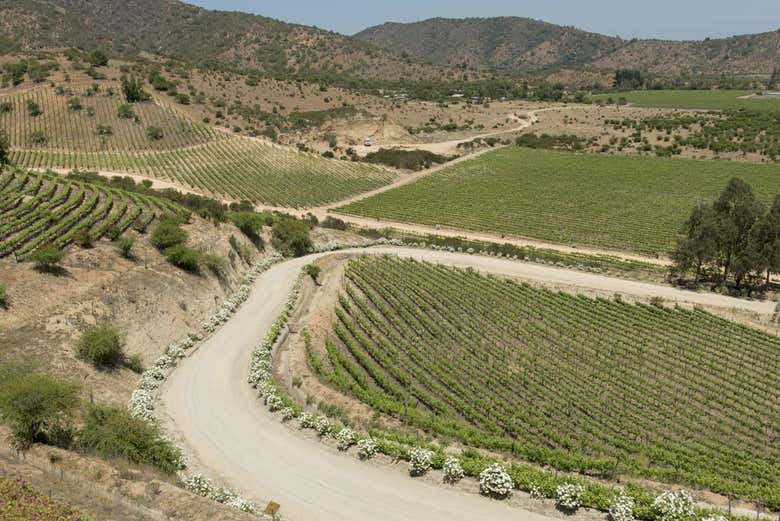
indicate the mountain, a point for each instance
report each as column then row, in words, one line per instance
column 199, row 36
column 522, row 45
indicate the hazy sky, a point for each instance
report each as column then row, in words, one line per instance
column 673, row 19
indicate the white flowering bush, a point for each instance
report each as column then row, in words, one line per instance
column 367, row 448
column 453, row 471
column 345, row 438
column 323, row 426
column 674, row 506
column 495, row 481
column 715, row 517
column 622, row 507
column 273, row 402
column 535, row 491
column 569, row 496
column 306, row 420
column 420, row 461
column 288, row 414
column 202, row 486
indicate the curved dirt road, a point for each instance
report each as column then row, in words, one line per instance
column 209, row 407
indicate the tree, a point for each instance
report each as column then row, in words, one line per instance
column 37, row 407
column 154, row 133
column 33, row 108
column 101, row 346
column 764, row 244
column 125, row 246
column 698, row 245
column 97, row 58
column 47, row 258
column 167, row 233
column 5, row 148
column 133, row 90
column 736, row 212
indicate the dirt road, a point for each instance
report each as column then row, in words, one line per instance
column 208, row 406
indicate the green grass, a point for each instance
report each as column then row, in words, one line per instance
column 621, row 203
column 588, row 385
column 695, row 99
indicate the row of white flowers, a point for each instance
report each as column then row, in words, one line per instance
column 202, row 486
column 142, row 401
column 569, row 496
column 674, row 506
column 495, row 481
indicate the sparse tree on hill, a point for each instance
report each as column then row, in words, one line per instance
column 97, row 58
column 133, row 90
column 47, row 258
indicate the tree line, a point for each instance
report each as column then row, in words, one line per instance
column 735, row 237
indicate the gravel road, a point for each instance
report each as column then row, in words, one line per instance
column 209, row 407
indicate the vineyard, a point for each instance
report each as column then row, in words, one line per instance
column 38, row 209
column 695, row 99
column 86, row 119
column 95, row 137
column 589, row 385
column 623, row 203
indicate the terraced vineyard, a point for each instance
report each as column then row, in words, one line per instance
column 235, row 168
column 622, row 203
column 96, row 125
column 38, row 209
column 190, row 154
column 589, row 385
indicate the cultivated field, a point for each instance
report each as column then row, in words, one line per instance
column 695, row 99
column 96, row 125
column 624, row 203
column 191, row 154
column 37, row 209
column 582, row 384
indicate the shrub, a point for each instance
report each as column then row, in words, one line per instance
column 167, row 233
column 494, row 481
column 367, row 448
column 135, row 364
column 154, row 133
column 453, row 471
column 104, row 130
column 250, row 223
column 334, row 223
column 674, row 506
column 405, row 159
column 82, row 238
column 420, row 461
column 183, row 257
column 5, row 147
column 323, row 426
column 568, row 496
column 345, row 438
column 312, row 271
column 125, row 111
column 622, row 507
column 102, row 347
column 37, row 407
column 132, row 90
column 6, row 107
column 75, row 104
column 3, row 297
column 291, row 237
column 97, row 58
column 47, row 258
column 125, row 246
column 112, row 432
column 19, row 501
column 217, row 264
column 33, row 108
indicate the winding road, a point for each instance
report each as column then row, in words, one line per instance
column 211, row 410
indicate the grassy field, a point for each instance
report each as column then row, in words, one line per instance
column 37, row 209
column 622, row 203
column 189, row 153
column 580, row 384
column 695, row 99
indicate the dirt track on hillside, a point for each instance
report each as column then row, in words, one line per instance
column 210, row 408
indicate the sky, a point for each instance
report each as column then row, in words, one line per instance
column 665, row 19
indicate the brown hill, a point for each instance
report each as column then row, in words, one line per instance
column 199, row 36
column 522, row 45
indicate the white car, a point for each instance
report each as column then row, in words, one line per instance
column 367, row 142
